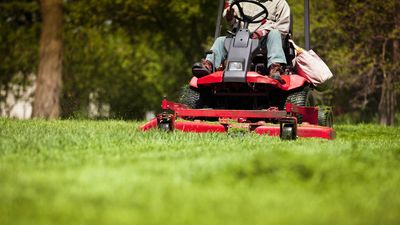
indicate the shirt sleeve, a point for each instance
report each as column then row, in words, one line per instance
column 282, row 17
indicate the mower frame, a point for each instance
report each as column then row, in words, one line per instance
column 176, row 116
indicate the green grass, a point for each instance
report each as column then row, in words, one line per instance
column 87, row 172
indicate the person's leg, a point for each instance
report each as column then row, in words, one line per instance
column 219, row 52
column 205, row 67
column 276, row 55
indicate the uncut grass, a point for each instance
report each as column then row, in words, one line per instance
column 86, row 172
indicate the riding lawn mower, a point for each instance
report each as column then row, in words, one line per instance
column 241, row 96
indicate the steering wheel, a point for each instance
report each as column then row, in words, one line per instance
column 246, row 18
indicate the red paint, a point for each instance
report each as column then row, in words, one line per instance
column 199, row 127
column 310, row 114
column 268, row 130
column 152, row 124
column 193, row 82
column 296, row 81
column 216, row 77
column 231, row 114
column 305, row 131
column 311, row 131
column 291, row 81
column 164, row 104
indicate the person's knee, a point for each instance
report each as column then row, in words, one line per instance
column 220, row 39
column 274, row 37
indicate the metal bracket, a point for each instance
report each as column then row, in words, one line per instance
column 166, row 121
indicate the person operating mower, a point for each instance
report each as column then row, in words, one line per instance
column 272, row 29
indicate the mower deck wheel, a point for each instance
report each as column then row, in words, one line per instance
column 288, row 132
column 165, row 127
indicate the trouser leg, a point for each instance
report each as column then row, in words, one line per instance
column 219, row 52
column 274, row 48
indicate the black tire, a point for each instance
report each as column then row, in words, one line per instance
column 190, row 97
column 288, row 133
column 325, row 117
column 302, row 97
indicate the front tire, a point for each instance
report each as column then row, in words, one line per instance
column 190, row 97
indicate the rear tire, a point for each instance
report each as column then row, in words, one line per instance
column 302, row 97
column 325, row 117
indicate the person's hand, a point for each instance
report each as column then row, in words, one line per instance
column 230, row 14
column 259, row 34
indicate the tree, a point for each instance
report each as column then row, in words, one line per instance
column 131, row 53
column 390, row 67
column 373, row 37
column 49, row 80
column 126, row 55
column 19, row 29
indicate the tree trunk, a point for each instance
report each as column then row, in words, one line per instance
column 49, row 82
column 388, row 101
column 396, row 59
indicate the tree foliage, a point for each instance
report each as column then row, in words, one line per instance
column 19, row 38
column 134, row 52
column 371, row 35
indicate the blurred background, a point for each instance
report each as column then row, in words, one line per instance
column 120, row 57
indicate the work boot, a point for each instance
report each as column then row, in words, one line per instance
column 275, row 72
column 202, row 68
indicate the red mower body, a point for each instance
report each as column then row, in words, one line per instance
column 292, row 81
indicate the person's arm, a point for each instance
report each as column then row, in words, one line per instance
column 282, row 17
